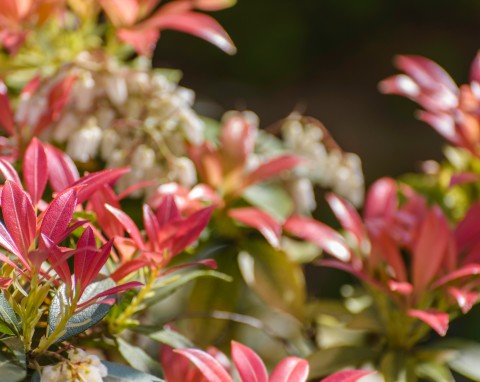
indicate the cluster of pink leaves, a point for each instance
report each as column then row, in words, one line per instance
column 226, row 172
column 33, row 239
column 138, row 23
column 441, row 260
column 194, row 365
column 451, row 110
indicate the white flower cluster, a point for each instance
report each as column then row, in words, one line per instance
column 80, row 367
column 125, row 116
column 326, row 164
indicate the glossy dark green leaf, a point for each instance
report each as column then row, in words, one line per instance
column 12, row 360
column 123, row 373
column 274, row 277
column 137, row 358
column 85, row 318
column 8, row 316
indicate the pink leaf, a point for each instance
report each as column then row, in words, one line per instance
column 437, row 320
column 443, row 124
column 475, row 69
column 152, row 228
column 6, row 114
column 249, row 365
column 7, row 242
column 318, row 233
column 194, row 23
column 463, row 178
column 110, row 226
column 466, row 271
column 402, row 287
column 62, row 172
column 348, row 217
column 467, row 232
column 19, row 217
column 167, row 211
column 425, row 72
column 347, row 376
column 381, row 199
column 271, row 168
column 58, row 261
column 430, row 248
column 291, row 369
column 128, row 268
column 465, row 298
column 92, row 182
column 35, row 170
column 121, row 14
column 128, row 224
column 177, row 368
column 260, row 220
column 8, row 172
column 189, row 229
column 211, row 369
column 89, row 261
column 142, row 40
column 58, row 215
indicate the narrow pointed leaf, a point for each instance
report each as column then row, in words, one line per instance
column 437, row 320
column 8, row 172
column 128, row 224
column 260, row 220
column 249, row 365
column 58, row 215
column 318, row 233
column 348, row 217
column 6, row 113
column 19, row 217
column 62, row 172
column 167, row 211
column 347, row 376
column 211, row 369
column 271, row 168
column 94, row 181
column 291, row 369
column 35, row 170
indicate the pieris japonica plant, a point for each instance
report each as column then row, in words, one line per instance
column 140, row 241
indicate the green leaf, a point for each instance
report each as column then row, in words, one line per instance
column 270, row 198
column 8, row 316
column 171, row 338
column 83, row 320
column 165, row 286
column 137, row 358
column 122, row 373
column 213, row 294
column 273, row 277
column 12, row 360
column 434, row 372
column 327, row 361
column 393, row 367
column 466, row 358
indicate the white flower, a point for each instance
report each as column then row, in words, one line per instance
column 80, row 367
column 83, row 144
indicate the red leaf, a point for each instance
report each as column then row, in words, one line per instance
column 430, row 248
column 93, row 182
column 167, row 211
column 443, row 124
column 109, row 292
column 128, row 224
column 475, row 69
column 35, row 169
column 142, row 39
column 62, row 172
column 381, row 199
column 347, row 376
column 467, row 232
column 58, row 261
column 89, row 261
column 152, row 228
column 348, row 217
column 466, row 271
column 7, row 242
column 6, row 114
column 110, row 226
column 189, row 229
column 260, row 220
column 9, row 173
column 425, row 72
column 437, row 320
column 211, row 369
column 177, row 368
column 291, row 369
column 249, row 365
column 194, row 23
column 58, row 215
column 19, row 217
column 318, row 233
column 464, row 297
column 272, row 168
column 463, row 178
column 128, row 268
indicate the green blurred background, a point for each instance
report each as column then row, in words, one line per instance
column 325, row 58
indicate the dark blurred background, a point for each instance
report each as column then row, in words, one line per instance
column 325, row 58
